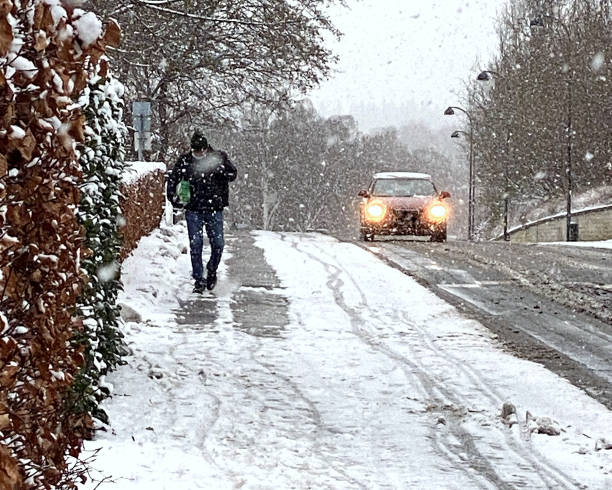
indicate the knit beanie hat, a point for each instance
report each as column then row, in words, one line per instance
column 198, row 141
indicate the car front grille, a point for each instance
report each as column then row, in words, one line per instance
column 405, row 216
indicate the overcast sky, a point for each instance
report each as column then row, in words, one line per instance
column 411, row 53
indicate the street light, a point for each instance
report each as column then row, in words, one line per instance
column 450, row 111
column 484, row 76
column 538, row 22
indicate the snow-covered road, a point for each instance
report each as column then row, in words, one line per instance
column 360, row 378
column 547, row 303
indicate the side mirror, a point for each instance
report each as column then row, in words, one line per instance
column 363, row 194
column 444, row 195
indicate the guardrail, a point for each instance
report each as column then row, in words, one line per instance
column 590, row 224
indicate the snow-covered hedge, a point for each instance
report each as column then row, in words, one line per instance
column 102, row 158
column 142, row 201
column 48, row 51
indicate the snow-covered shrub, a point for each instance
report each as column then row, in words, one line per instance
column 102, row 158
column 47, row 53
column 141, row 202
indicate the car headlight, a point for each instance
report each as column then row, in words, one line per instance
column 375, row 211
column 438, row 212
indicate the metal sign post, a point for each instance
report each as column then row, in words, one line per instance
column 141, row 120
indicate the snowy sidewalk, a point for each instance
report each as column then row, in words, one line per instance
column 314, row 365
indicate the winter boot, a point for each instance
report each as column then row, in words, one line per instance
column 211, row 280
column 199, row 287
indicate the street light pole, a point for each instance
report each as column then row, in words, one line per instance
column 484, row 76
column 537, row 22
column 449, row 112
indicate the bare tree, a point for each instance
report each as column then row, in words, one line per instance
column 542, row 122
column 199, row 61
column 301, row 171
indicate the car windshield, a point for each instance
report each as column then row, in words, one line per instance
column 403, row 188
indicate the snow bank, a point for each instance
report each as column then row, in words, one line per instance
column 136, row 170
column 603, row 244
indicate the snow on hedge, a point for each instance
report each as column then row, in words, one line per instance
column 45, row 64
column 134, row 171
column 102, row 158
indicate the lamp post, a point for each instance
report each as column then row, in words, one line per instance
column 538, row 22
column 485, row 76
column 450, row 111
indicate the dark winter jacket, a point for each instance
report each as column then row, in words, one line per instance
column 208, row 181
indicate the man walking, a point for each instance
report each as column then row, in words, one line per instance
column 199, row 183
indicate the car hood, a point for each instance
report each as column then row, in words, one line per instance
column 415, row 203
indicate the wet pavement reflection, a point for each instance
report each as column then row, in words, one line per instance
column 258, row 305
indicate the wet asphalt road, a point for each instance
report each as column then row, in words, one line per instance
column 546, row 303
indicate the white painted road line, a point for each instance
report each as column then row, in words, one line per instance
column 477, row 284
column 487, row 308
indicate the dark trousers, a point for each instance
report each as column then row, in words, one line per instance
column 213, row 221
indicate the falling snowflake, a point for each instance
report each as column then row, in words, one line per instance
column 598, row 61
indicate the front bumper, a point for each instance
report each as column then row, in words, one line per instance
column 403, row 222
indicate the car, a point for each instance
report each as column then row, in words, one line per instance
column 403, row 203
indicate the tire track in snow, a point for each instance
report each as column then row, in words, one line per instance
column 444, row 447
column 312, row 410
column 493, row 396
column 546, row 471
column 542, row 467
